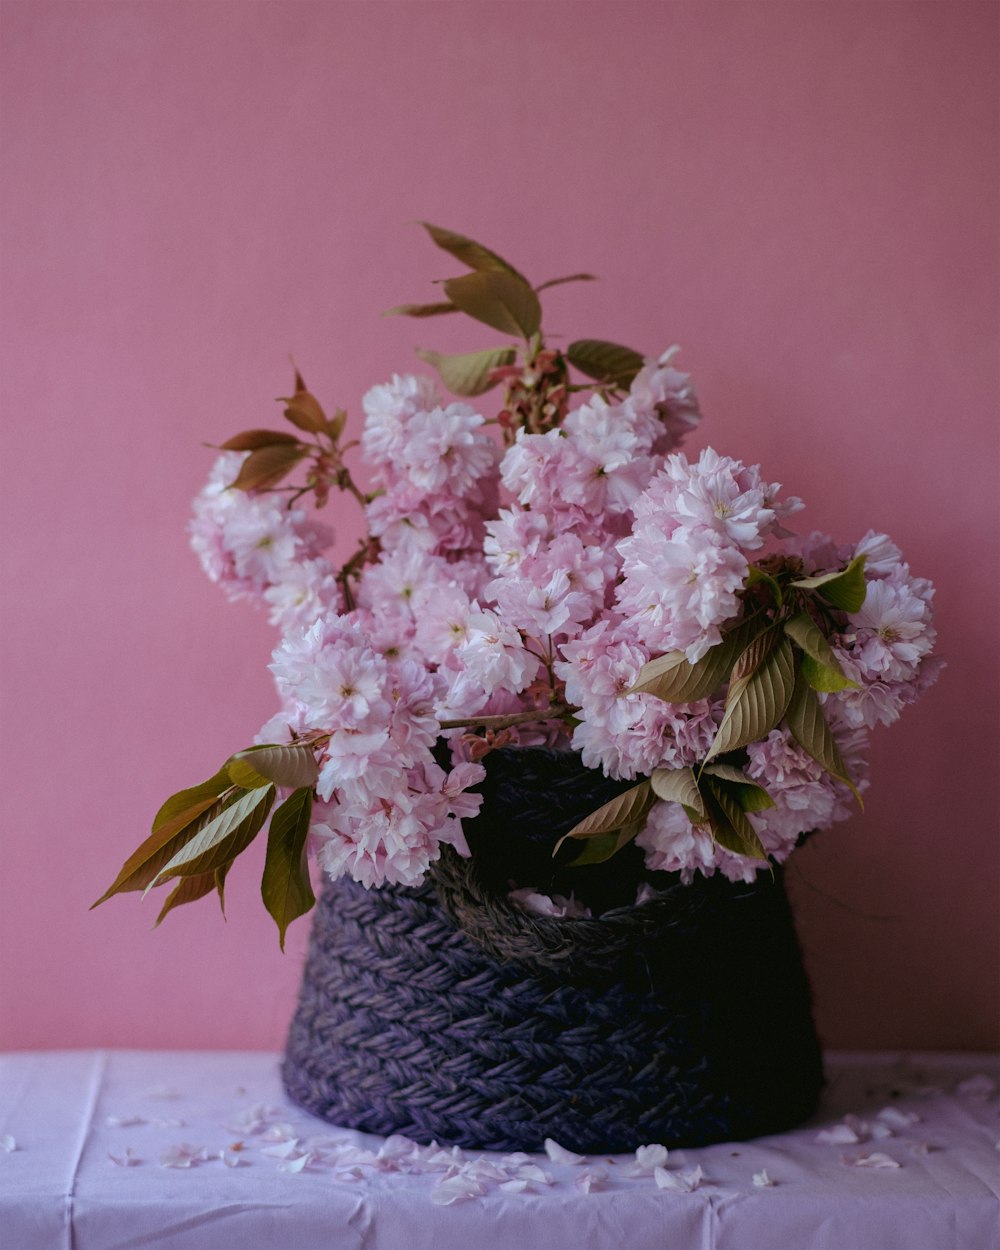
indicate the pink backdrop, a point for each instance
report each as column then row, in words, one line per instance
column 801, row 194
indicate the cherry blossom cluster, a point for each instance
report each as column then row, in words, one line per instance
column 532, row 583
column 385, row 805
column 434, row 466
column 886, row 647
column 256, row 548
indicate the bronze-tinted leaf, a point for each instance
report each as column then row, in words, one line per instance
column 678, row 785
column 190, row 889
column 290, row 766
column 469, row 373
column 268, row 465
column 498, row 299
column 172, row 833
column 757, row 703
column 221, row 839
column 624, row 809
column 468, row 251
column 609, row 363
column 421, row 310
column 250, row 440
column 285, row 887
column 570, row 277
column 755, row 653
column 808, row 726
column 220, row 884
column 845, row 589
column 335, row 425
column 673, row 679
column 305, row 412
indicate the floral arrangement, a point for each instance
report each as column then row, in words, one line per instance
column 555, row 574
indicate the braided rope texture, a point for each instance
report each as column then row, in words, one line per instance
column 446, row 1014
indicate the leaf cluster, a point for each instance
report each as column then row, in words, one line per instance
column 200, row 831
column 496, row 294
column 274, row 454
column 772, row 665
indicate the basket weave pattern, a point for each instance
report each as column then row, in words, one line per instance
column 685, row 1021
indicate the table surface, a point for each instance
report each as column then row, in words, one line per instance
column 116, row 1150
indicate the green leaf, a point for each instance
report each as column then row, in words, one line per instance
column 250, row 440
column 819, row 662
column 756, row 703
column 570, row 277
column 499, row 299
column 289, row 766
column 222, row 839
column 468, row 251
column 600, row 848
column 678, row 785
column 469, row 373
column 190, row 889
column 609, row 363
column 624, row 809
column 673, row 679
column 421, row 310
column 268, row 465
column 758, row 575
column 245, row 775
column 808, row 726
column 192, row 798
column 730, row 825
column 845, row 590
column 822, row 677
column 165, row 841
column 751, row 796
column 808, row 636
column 285, row 886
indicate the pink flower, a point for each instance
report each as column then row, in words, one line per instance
column 679, row 590
column 515, row 535
column 665, row 395
column 532, row 468
column 388, row 410
column 541, row 611
column 890, row 634
column 254, row 546
column 492, row 658
column 393, row 833
column 444, row 447
column 673, row 844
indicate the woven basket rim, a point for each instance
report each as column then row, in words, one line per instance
column 500, row 926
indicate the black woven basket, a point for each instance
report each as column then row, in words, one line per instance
column 446, row 1013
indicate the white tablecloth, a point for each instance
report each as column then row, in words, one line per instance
column 126, row 1150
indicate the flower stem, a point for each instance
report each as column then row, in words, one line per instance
column 513, row 718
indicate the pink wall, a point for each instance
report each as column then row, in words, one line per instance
column 802, row 194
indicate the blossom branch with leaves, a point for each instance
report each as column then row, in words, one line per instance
column 576, row 583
